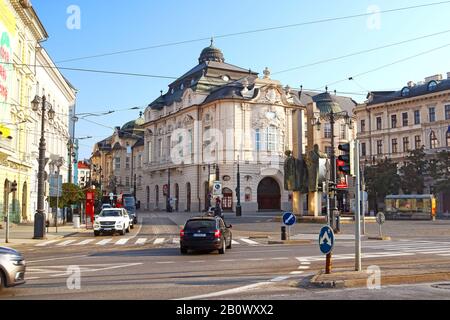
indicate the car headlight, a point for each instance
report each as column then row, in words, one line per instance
column 16, row 260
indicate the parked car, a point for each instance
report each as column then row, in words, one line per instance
column 106, row 205
column 205, row 233
column 12, row 268
column 130, row 204
column 131, row 217
column 112, row 220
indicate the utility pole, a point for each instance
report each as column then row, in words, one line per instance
column 357, row 210
column 238, row 191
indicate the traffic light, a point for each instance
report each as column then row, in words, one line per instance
column 346, row 165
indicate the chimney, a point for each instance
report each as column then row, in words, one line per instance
column 411, row 84
column 436, row 77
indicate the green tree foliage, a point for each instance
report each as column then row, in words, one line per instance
column 414, row 171
column 71, row 194
column 439, row 171
column 381, row 179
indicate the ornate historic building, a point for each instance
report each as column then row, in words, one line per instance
column 212, row 118
column 391, row 123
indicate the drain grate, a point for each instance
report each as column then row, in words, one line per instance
column 445, row 286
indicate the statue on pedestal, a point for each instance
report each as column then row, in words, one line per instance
column 295, row 174
column 312, row 162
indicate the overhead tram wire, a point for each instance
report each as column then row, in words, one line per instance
column 385, row 66
column 362, row 52
column 169, row 44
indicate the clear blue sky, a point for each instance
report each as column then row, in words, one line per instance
column 107, row 26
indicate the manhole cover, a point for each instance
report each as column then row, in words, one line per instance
column 445, row 286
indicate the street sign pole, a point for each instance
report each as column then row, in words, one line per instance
column 328, row 264
column 357, row 210
column 326, row 244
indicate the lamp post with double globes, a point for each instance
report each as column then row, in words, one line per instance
column 39, row 217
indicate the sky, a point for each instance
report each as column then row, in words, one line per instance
column 106, row 26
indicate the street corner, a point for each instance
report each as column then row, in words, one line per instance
column 339, row 280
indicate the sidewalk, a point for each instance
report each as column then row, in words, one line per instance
column 390, row 275
column 20, row 234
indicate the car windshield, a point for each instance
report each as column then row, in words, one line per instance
column 110, row 213
column 200, row 224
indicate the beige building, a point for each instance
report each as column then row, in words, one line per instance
column 392, row 122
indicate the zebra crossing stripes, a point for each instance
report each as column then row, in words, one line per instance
column 171, row 241
column 414, row 247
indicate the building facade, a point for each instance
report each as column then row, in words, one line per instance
column 391, row 123
column 84, row 174
column 212, row 118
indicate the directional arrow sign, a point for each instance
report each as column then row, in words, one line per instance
column 289, row 218
column 326, row 240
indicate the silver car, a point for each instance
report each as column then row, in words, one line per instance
column 12, row 268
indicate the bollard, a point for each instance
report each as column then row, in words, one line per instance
column 283, row 233
column 337, row 221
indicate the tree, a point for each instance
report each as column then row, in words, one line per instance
column 439, row 171
column 71, row 194
column 414, row 171
column 381, row 179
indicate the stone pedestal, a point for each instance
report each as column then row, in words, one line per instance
column 297, row 203
column 314, row 207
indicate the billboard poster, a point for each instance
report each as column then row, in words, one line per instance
column 7, row 34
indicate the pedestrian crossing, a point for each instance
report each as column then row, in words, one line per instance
column 134, row 241
column 410, row 247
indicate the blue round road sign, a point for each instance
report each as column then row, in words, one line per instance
column 289, row 218
column 326, row 240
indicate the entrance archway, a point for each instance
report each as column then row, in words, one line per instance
column 188, row 197
column 269, row 194
column 227, row 201
column 156, row 197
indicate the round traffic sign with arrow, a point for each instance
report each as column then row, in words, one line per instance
column 326, row 240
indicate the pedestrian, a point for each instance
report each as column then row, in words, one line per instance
column 218, row 209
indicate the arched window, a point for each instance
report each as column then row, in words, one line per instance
column 434, row 143
column 405, row 92
column 432, row 85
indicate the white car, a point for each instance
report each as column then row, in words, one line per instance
column 112, row 220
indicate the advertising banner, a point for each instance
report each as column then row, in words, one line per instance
column 7, row 35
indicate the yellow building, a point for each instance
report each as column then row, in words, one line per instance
column 20, row 34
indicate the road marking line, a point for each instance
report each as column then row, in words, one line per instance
column 122, row 241
column 176, row 240
column 141, row 241
column 84, row 242
column 305, row 262
column 62, row 258
column 251, row 242
column 65, row 243
column 296, row 272
column 303, row 268
column 444, row 254
column 32, row 278
column 255, row 259
column 234, row 242
column 159, row 241
column 46, row 243
column 227, row 260
column 103, row 242
column 229, row 291
column 199, row 261
column 165, row 262
column 277, row 279
column 281, row 258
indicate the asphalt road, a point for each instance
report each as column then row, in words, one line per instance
column 147, row 264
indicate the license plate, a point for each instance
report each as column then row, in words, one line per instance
column 199, row 235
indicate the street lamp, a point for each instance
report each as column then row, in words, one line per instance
column 58, row 163
column 238, row 191
column 330, row 112
column 39, row 217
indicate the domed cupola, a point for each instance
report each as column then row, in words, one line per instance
column 211, row 53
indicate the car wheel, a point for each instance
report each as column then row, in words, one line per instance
column 229, row 246
column 183, row 250
column 223, row 249
column 132, row 226
column 127, row 230
column 2, row 281
column 96, row 233
column 122, row 232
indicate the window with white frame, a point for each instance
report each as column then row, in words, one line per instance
column 272, row 137
column 150, row 152
column 327, row 130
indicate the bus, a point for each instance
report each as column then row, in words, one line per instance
column 410, row 206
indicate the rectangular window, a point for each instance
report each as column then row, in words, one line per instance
column 140, row 161
column 343, row 131
column 150, row 152
column 447, row 112
column 363, row 149
column 394, row 121
column 272, row 139
column 117, row 163
column 327, row 130
column 169, row 145
column 432, row 114
column 417, row 142
column 405, row 119
column 363, row 126
column 127, row 181
column 328, row 150
column 417, row 117
column 405, row 144
column 379, row 123
column 394, row 146
column 160, row 149
column 379, row 146
column 258, row 140
column 191, row 142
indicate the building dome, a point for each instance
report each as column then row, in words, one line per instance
column 129, row 126
column 211, row 53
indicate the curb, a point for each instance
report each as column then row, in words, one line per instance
column 380, row 238
column 385, row 280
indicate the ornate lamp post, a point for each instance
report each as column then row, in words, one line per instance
column 39, row 217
